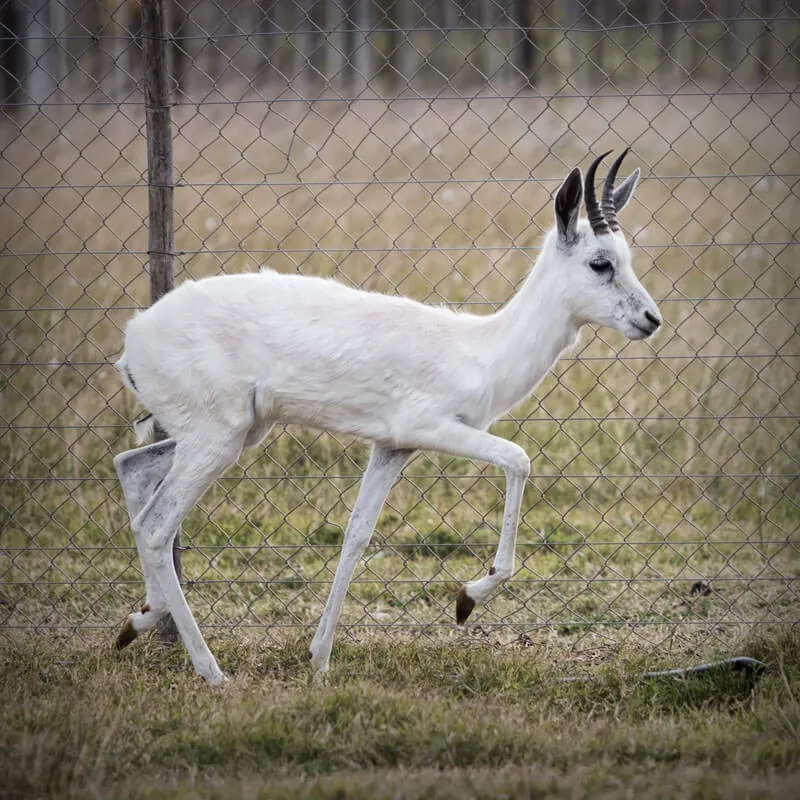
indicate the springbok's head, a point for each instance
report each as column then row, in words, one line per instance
column 594, row 257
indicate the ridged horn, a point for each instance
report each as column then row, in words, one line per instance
column 593, row 210
column 609, row 210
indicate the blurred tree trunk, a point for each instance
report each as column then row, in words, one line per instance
column 446, row 56
column 303, row 40
column 362, row 54
column 598, row 45
column 523, row 58
column 180, row 63
column 242, row 50
column 451, row 14
column 39, row 74
column 203, row 22
column 336, row 44
column 12, row 55
column 493, row 48
column 542, row 44
column 282, row 54
column 121, row 26
column 766, row 43
column 679, row 47
column 407, row 55
column 734, row 54
column 267, row 42
column 565, row 54
column 59, row 29
column 666, row 35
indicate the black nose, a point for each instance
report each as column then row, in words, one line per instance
column 652, row 319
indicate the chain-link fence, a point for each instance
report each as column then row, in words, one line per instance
column 415, row 148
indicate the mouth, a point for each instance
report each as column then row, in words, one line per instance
column 641, row 333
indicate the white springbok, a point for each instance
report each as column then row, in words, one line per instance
column 217, row 362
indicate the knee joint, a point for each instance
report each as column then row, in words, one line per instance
column 519, row 463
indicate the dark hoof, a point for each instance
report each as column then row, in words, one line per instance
column 464, row 606
column 126, row 635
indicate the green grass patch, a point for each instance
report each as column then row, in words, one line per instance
column 81, row 722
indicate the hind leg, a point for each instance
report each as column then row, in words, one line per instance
column 140, row 472
column 197, row 463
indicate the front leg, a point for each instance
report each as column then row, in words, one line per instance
column 382, row 470
column 461, row 440
column 478, row 591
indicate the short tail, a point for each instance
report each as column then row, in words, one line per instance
column 124, row 372
column 144, row 426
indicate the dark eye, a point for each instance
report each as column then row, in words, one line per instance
column 601, row 265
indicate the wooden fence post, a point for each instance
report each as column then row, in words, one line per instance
column 161, row 235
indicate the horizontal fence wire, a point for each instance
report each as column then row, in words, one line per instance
column 414, row 149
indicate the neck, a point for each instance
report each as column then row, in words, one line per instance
column 528, row 335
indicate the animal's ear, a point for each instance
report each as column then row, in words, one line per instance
column 567, row 206
column 625, row 190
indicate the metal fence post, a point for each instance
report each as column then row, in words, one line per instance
column 161, row 235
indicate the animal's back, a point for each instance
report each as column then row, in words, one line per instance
column 295, row 349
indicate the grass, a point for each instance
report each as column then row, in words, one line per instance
column 395, row 720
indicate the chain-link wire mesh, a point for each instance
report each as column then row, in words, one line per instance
column 414, row 148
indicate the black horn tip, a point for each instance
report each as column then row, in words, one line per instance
column 608, row 207
column 595, row 164
column 596, row 218
column 612, row 173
